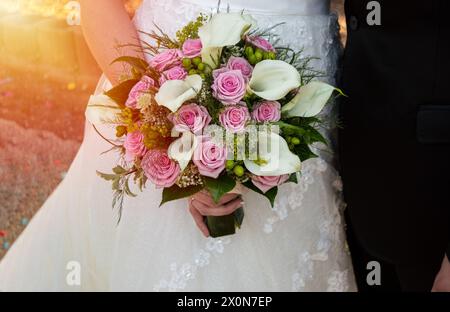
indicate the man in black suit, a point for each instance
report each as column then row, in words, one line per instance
column 395, row 141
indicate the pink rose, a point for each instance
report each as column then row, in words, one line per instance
column 240, row 63
column 261, row 43
column 175, row 73
column 265, row 183
column 210, row 158
column 234, row 118
column 134, row 145
column 192, row 48
column 217, row 72
column 267, row 111
column 166, row 60
column 190, row 117
column 160, row 169
column 141, row 87
column 229, row 86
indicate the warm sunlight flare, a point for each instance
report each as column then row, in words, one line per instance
column 38, row 7
column 56, row 8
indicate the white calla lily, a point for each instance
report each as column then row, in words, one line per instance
column 273, row 79
column 309, row 101
column 223, row 29
column 100, row 109
column 274, row 157
column 173, row 93
column 183, row 148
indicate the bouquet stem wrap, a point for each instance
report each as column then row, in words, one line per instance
column 226, row 225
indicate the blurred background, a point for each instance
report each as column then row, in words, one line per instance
column 46, row 77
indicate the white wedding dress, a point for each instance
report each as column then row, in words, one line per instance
column 297, row 246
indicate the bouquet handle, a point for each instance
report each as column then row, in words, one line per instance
column 226, row 225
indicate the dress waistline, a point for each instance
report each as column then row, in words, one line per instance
column 304, row 8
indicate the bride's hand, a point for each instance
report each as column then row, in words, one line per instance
column 202, row 205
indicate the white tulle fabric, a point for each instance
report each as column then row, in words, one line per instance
column 297, row 246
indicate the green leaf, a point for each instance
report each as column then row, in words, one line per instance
column 239, row 217
column 302, row 121
column 135, row 62
column 340, row 92
column 304, row 152
column 106, row 176
column 175, row 192
column 313, row 136
column 270, row 194
column 290, row 130
column 119, row 93
column 127, row 190
column 119, row 170
column 293, row 178
column 220, row 186
column 306, row 132
column 141, row 179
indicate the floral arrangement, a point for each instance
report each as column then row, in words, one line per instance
column 217, row 107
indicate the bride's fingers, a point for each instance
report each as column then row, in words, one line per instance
column 219, row 211
column 206, row 199
column 198, row 219
column 202, row 208
column 227, row 198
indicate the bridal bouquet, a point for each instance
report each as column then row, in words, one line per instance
column 217, row 107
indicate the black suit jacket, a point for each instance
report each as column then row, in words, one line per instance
column 395, row 141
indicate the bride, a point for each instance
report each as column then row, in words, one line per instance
column 75, row 244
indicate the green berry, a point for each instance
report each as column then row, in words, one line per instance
column 266, row 55
column 203, row 76
column 201, row 66
column 193, row 72
column 252, row 59
column 259, row 55
column 289, row 139
column 238, row 171
column 248, row 51
column 197, row 60
column 272, row 55
column 187, row 63
column 229, row 164
column 295, row 141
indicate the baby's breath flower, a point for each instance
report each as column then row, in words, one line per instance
column 190, row 177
